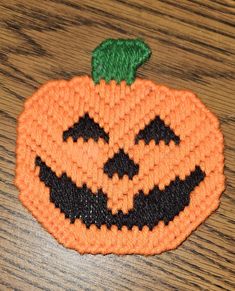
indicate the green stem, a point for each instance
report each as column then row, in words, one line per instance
column 118, row 59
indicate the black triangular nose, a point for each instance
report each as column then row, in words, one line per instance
column 121, row 164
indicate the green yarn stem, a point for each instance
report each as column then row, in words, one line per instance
column 118, row 59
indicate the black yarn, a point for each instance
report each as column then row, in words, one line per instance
column 157, row 130
column 86, row 128
column 80, row 203
column 121, row 164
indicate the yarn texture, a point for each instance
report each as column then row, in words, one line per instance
column 118, row 164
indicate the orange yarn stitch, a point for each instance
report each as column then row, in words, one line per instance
column 93, row 138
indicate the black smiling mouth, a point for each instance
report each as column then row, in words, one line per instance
column 91, row 208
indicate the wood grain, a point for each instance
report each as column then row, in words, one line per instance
column 193, row 47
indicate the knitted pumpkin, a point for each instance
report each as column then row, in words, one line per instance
column 114, row 164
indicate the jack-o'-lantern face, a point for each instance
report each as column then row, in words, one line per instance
column 118, row 167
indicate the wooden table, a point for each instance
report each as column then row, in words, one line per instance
column 193, row 47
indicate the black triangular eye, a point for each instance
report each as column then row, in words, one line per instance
column 86, row 128
column 157, row 130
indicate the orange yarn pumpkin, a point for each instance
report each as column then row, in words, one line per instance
column 115, row 165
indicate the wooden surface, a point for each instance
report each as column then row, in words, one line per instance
column 192, row 47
